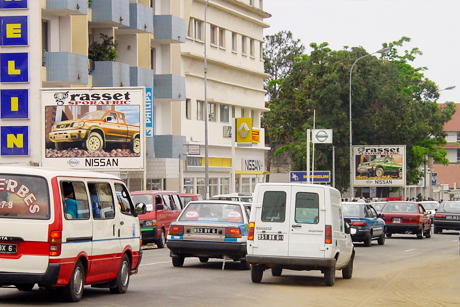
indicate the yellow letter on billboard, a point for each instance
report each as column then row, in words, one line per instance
column 14, row 104
column 12, row 68
column 12, row 140
column 13, row 30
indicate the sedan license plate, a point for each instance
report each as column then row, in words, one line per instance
column 397, row 220
column 270, row 237
column 204, row 230
column 452, row 217
column 8, row 248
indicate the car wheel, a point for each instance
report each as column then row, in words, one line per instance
column 25, row 287
column 347, row 272
column 388, row 235
column 94, row 142
column 203, row 259
column 178, row 261
column 420, row 234
column 368, row 241
column 329, row 276
column 244, row 265
column 161, row 242
column 428, row 233
column 73, row 292
column 256, row 273
column 122, row 280
column 277, row 271
column 136, row 146
column 379, row 172
column 381, row 239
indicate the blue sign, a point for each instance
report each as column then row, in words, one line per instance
column 434, row 178
column 13, row 30
column 14, row 140
column 14, row 67
column 14, row 103
column 13, row 4
column 315, row 177
column 149, row 112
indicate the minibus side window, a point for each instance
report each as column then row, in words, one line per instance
column 105, row 200
column 75, row 204
column 177, row 202
column 274, row 206
column 124, row 200
column 167, row 202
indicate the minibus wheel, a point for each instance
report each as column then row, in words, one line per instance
column 122, row 276
column 73, row 292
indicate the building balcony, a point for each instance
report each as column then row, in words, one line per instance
column 140, row 20
column 110, row 13
column 168, row 29
column 171, row 87
column 141, row 76
column 67, row 7
column 110, row 74
column 65, row 68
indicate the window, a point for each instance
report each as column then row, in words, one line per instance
column 224, row 113
column 251, row 2
column 224, row 185
column 199, row 110
column 274, row 206
column 242, row 112
column 212, row 112
column 243, row 45
column 234, row 41
column 104, row 193
column 153, row 53
column 188, row 109
column 221, row 38
column 233, row 111
column 458, row 137
column 45, row 35
column 251, row 48
column 198, row 31
column 213, row 35
column 124, row 200
column 458, row 155
column 307, row 208
column 190, row 27
column 76, row 205
column 245, row 185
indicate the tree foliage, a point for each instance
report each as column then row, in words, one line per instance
column 104, row 51
column 392, row 104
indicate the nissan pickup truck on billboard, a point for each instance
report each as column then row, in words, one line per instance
column 379, row 165
column 98, row 129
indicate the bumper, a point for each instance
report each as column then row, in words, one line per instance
column 68, row 135
column 207, row 249
column 48, row 278
column 452, row 225
column 360, row 235
column 403, row 228
column 293, row 263
column 149, row 235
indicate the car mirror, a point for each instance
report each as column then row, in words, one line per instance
column 380, row 215
column 160, row 207
column 141, row 208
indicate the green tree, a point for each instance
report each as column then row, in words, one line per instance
column 393, row 103
column 104, row 51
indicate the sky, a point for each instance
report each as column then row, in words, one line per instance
column 432, row 25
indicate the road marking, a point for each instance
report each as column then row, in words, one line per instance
column 409, row 250
column 153, row 263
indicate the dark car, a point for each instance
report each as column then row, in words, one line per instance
column 447, row 216
column 405, row 217
column 365, row 223
column 210, row 229
column 379, row 167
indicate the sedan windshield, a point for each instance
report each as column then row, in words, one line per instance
column 212, row 213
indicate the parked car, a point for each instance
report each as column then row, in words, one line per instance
column 378, row 205
column 431, row 206
column 210, row 229
column 405, row 217
column 163, row 207
column 366, row 225
column 447, row 216
column 379, row 167
column 244, row 197
column 188, row 197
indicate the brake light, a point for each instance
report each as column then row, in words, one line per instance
column 55, row 240
column 252, row 225
column 439, row 216
column 232, row 233
column 176, row 231
column 359, row 223
column 328, row 237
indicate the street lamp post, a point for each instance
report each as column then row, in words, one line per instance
column 381, row 51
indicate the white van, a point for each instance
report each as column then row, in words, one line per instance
column 66, row 229
column 298, row 227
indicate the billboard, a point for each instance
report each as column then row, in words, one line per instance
column 94, row 129
column 379, row 165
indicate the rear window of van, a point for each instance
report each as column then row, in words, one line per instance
column 24, row 197
column 274, row 206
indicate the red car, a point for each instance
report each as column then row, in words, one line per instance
column 406, row 217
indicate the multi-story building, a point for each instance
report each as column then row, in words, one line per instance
column 47, row 78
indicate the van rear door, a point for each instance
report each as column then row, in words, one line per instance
column 272, row 230
column 307, row 222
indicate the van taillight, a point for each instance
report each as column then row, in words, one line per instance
column 251, row 231
column 176, row 231
column 328, row 238
column 232, row 233
column 55, row 243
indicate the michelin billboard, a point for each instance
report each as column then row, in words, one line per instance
column 97, row 129
column 379, row 165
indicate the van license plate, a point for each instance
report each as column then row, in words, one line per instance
column 271, row 237
column 204, row 230
column 8, row 248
